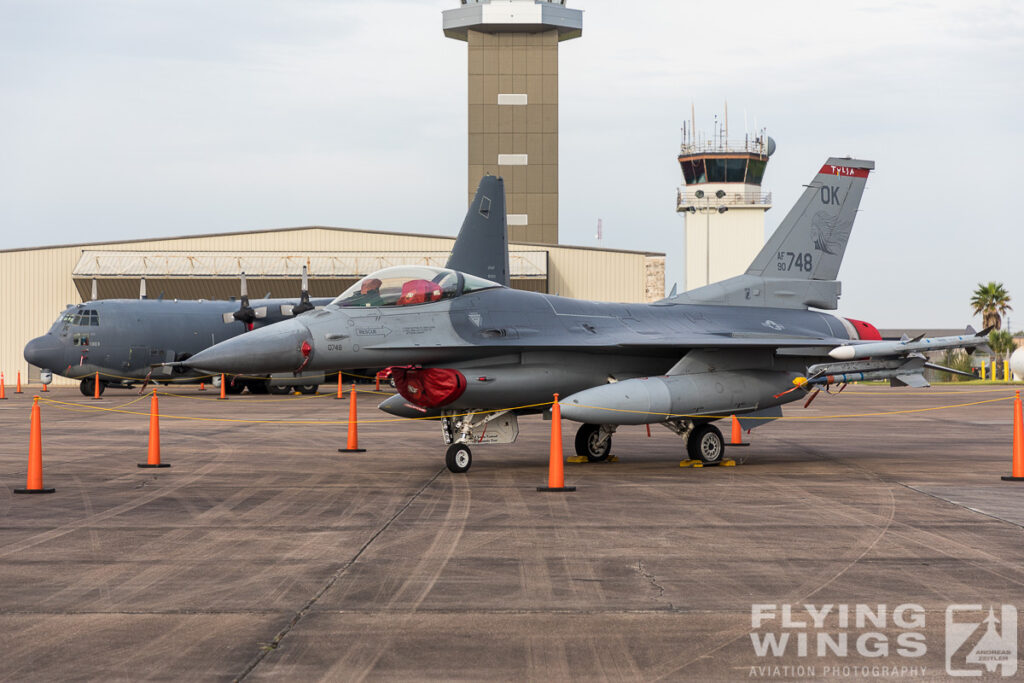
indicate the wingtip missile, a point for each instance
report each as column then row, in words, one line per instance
column 874, row 349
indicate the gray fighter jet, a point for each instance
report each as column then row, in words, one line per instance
column 128, row 341
column 477, row 354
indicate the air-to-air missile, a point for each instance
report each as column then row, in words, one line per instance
column 908, row 345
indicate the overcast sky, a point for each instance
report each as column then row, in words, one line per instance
column 124, row 119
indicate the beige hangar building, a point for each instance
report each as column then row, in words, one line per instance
column 36, row 284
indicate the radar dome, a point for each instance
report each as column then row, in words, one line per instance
column 1017, row 363
column 771, row 145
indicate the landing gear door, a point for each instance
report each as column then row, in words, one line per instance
column 480, row 428
column 504, row 429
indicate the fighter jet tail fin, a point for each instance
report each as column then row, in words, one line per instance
column 810, row 242
column 798, row 266
column 481, row 248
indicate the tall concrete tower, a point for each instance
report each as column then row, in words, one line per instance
column 513, row 103
column 723, row 203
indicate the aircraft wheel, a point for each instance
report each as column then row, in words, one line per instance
column 587, row 437
column 258, row 386
column 88, row 386
column 706, row 444
column 279, row 390
column 308, row 388
column 458, row 458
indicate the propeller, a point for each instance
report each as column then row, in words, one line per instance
column 303, row 304
column 246, row 314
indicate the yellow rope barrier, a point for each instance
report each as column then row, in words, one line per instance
column 77, row 407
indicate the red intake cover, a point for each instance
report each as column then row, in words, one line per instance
column 428, row 387
column 865, row 330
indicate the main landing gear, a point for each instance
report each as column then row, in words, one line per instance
column 594, row 441
column 704, row 442
column 88, row 386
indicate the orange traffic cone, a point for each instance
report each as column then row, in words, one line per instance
column 556, row 463
column 44, row 389
column 223, row 389
column 96, row 387
column 339, row 386
column 202, row 386
column 153, row 458
column 34, row 480
column 353, row 425
column 737, row 434
column 3, row 394
column 18, row 389
column 1017, row 473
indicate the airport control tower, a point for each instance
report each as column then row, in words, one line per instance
column 723, row 203
column 513, row 103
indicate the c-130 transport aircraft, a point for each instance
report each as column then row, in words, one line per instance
column 477, row 354
column 126, row 341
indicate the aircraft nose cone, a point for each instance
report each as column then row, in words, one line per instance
column 275, row 348
column 45, row 352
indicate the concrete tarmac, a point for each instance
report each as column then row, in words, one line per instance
column 263, row 553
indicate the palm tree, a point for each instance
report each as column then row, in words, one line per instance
column 992, row 301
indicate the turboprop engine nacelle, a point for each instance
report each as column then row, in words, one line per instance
column 657, row 399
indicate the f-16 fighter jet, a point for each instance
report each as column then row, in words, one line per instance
column 477, row 354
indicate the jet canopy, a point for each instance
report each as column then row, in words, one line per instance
column 410, row 285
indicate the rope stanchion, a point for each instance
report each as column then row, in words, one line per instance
column 339, row 396
column 223, row 388
column 353, row 425
column 18, row 389
column 153, row 454
column 34, row 478
column 96, row 387
column 556, row 461
column 202, row 386
column 3, row 393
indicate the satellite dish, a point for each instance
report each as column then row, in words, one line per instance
column 771, row 145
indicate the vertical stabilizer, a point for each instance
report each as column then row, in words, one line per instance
column 481, row 248
column 810, row 242
column 799, row 265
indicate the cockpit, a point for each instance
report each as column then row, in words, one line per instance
column 85, row 318
column 410, row 285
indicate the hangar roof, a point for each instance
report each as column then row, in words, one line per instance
column 320, row 227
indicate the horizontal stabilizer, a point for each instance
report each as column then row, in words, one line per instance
column 915, row 380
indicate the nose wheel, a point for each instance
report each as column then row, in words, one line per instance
column 458, row 458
